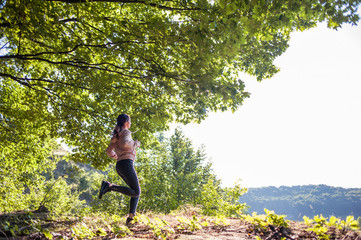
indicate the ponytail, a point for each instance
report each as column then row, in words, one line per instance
column 122, row 118
column 116, row 131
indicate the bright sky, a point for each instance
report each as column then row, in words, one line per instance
column 301, row 127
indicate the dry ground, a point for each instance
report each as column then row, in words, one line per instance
column 24, row 225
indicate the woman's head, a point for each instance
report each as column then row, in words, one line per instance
column 123, row 122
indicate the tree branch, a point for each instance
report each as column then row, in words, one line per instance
column 24, row 82
column 5, row 24
column 131, row 1
column 17, row 79
column 4, row 45
column 24, row 56
column 85, row 65
column 69, row 20
column 50, row 94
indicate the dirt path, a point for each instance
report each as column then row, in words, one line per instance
column 30, row 226
column 232, row 229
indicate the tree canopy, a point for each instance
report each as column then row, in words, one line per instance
column 69, row 67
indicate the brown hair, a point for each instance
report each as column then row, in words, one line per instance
column 122, row 118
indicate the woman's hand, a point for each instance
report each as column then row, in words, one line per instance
column 113, row 154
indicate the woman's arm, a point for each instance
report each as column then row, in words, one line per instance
column 129, row 142
column 110, row 151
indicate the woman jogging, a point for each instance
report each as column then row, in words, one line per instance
column 122, row 148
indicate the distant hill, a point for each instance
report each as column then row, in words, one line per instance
column 309, row 200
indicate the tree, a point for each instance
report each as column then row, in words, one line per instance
column 23, row 157
column 172, row 174
column 72, row 66
column 188, row 169
column 27, row 180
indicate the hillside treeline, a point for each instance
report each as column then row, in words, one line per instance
column 309, row 200
column 171, row 173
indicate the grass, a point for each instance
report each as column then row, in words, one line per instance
column 184, row 224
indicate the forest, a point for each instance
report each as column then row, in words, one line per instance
column 307, row 200
column 171, row 174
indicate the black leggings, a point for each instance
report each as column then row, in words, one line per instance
column 125, row 169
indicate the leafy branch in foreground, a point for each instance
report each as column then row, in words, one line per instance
column 71, row 66
column 260, row 223
column 324, row 229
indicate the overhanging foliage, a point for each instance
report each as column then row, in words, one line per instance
column 72, row 66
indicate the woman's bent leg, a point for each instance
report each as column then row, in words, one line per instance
column 125, row 169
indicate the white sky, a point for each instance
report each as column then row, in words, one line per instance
column 301, row 127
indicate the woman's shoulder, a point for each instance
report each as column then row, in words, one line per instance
column 124, row 133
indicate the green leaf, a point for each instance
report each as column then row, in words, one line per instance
column 47, row 233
